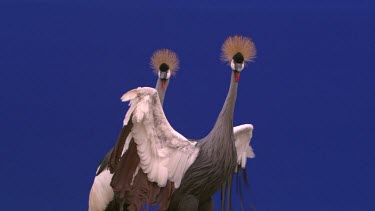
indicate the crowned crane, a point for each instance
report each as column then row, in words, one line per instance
column 162, row 166
column 165, row 63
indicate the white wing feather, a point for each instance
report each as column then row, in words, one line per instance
column 101, row 193
column 164, row 153
column 242, row 135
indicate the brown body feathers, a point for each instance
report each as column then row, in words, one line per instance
column 165, row 56
column 238, row 44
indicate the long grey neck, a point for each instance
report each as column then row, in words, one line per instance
column 224, row 123
column 160, row 90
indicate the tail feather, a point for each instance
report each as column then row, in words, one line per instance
column 239, row 190
column 222, row 196
column 245, row 178
column 229, row 193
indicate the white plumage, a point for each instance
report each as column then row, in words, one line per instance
column 243, row 135
column 164, row 153
column 101, row 192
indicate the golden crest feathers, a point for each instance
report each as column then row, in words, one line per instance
column 165, row 56
column 238, row 44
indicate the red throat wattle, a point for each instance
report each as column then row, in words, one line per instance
column 236, row 76
column 163, row 84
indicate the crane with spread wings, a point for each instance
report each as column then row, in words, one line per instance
column 165, row 63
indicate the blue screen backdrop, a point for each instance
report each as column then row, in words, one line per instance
column 310, row 94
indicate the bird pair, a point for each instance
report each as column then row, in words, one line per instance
column 152, row 163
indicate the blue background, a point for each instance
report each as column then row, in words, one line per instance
column 310, row 93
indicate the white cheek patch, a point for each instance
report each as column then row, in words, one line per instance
column 233, row 66
column 242, row 66
column 168, row 74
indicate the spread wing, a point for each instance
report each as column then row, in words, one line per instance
column 164, row 154
column 242, row 135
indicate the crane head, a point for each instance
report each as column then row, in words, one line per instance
column 237, row 50
column 165, row 63
column 164, row 74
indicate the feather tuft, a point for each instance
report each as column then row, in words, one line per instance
column 238, row 44
column 165, row 56
column 129, row 95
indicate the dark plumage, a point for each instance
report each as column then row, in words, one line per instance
column 104, row 163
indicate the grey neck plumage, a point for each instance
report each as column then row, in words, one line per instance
column 161, row 92
column 224, row 123
column 216, row 159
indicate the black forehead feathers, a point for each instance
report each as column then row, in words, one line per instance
column 163, row 67
column 238, row 58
